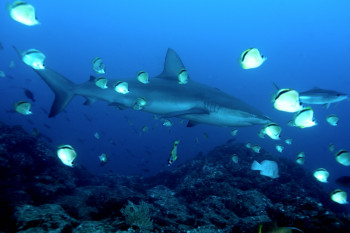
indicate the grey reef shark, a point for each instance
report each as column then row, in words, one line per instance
column 321, row 96
column 164, row 96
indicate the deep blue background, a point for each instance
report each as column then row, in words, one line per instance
column 307, row 44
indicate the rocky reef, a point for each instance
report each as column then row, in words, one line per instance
column 210, row 193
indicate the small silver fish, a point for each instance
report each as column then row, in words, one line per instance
column 103, row 158
column 251, row 58
column 139, row 103
column 23, row 12
column 287, row 100
column 23, row 107
column 279, row 148
column 2, row 74
column 331, row 147
column 321, row 175
column 167, row 123
column 101, row 82
column 300, row 158
column 339, row 196
column 343, row 157
column 288, row 141
column 234, row 158
column 234, row 132
column 97, row 135
column 66, row 154
column 332, row 120
column 98, row 65
column 142, row 77
column 305, row 118
column 145, row 128
column 272, row 130
column 183, row 76
column 34, row 58
column 122, row 87
column 256, row 148
column 173, row 154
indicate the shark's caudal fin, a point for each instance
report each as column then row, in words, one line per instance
column 172, row 66
column 62, row 87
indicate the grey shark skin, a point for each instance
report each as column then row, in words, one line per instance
column 193, row 101
column 321, row 96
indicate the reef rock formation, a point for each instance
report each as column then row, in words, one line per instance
column 208, row 194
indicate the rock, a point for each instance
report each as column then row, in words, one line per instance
column 93, row 227
column 207, row 194
column 45, row 218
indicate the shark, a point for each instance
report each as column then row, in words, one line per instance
column 164, row 96
column 321, row 96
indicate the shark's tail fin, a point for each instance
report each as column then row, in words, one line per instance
column 61, row 86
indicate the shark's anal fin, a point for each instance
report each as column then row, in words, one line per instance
column 192, row 123
column 118, row 106
column 62, row 87
column 89, row 101
column 186, row 112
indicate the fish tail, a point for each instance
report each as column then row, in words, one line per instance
column 61, row 86
column 276, row 86
column 294, row 228
column 19, row 53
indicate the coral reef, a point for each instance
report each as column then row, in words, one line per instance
column 138, row 215
column 208, row 194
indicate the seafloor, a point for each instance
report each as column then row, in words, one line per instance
column 208, row 194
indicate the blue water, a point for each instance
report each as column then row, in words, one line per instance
column 306, row 43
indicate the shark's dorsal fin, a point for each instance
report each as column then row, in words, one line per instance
column 172, row 66
column 315, row 88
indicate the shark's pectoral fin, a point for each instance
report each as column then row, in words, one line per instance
column 327, row 105
column 186, row 112
column 89, row 101
column 192, row 123
column 118, row 106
